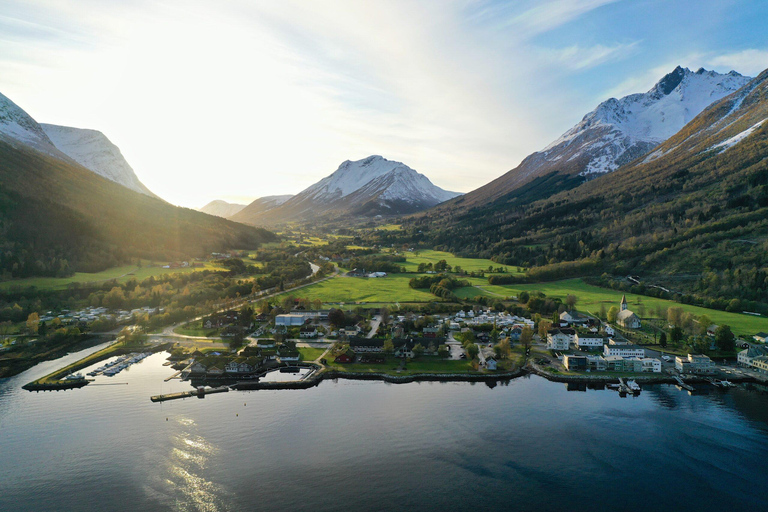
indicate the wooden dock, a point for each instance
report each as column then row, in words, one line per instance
column 199, row 392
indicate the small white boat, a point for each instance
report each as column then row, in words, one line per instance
column 633, row 386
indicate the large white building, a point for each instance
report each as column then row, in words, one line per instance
column 560, row 339
column 694, row 363
column 626, row 351
column 290, row 320
column 589, row 341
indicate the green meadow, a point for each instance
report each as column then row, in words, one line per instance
column 393, row 288
column 469, row 264
column 591, row 297
column 121, row 274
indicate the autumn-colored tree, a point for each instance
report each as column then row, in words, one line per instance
column 33, row 322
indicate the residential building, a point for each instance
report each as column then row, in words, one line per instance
column 646, row 365
column 746, row 356
column 490, row 363
column 694, row 363
column 575, row 363
column 760, row 364
column 588, row 341
column 615, row 363
column 560, row 339
column 573, row 318
column 627, row 351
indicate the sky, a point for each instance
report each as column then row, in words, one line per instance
column 237, row 100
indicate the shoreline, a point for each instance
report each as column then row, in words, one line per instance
column 322, row 375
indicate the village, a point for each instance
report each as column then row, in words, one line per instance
column 472, row 341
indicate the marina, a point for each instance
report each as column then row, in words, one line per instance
column 112, row 368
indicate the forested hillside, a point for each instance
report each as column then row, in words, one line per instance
column 57, row 217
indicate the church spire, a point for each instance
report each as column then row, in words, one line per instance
column 623, row 302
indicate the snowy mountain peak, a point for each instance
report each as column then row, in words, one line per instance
column 18, row 126
column 619, row 130
column 352, row 175
column 94, row 151
column 361, row 188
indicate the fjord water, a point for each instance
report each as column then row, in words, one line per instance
column 352, row 445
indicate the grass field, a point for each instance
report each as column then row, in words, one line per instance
column 591, row 297
column 196, row 329
column 393, row 288
column 423, row 364
column 121, row 274
column 469, row 264
column 309, row 353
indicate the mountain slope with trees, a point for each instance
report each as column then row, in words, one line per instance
column 57, row 217
column 692, row 216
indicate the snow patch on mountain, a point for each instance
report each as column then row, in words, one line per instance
column 729, row 143
column 94, row 151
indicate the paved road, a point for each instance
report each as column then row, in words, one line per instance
column 454, row 346
column 375, row 323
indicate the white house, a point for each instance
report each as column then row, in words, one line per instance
column 623, row 351
column 490, row 363
column 746, row 356
column 559, row 339
column 589, row 341
column 573, row 318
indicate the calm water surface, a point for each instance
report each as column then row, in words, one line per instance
column 346, row 445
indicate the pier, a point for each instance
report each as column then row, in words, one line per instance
column 199, row 392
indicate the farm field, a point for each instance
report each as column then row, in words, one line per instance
column 591, row 297
column 393, row 288
column 121, row 274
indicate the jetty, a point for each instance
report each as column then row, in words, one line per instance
column 683, row 385
column 200, row 392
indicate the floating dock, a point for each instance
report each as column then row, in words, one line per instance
column 199, row 392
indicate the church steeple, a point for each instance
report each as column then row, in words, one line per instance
column 623, row 302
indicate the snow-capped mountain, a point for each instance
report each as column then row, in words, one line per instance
column 617, row 132
column 367, row 187
column 258, row 207
column 88, row 148
column 16, row 126
column 94, row 151
column 221, row 208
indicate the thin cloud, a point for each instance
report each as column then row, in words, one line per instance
column 747, row 62
column 577, row 58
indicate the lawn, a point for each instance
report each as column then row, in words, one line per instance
column 424, row 364
column 310, row 353
column 393, row 288
column 121, row 274
column 591, row 297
